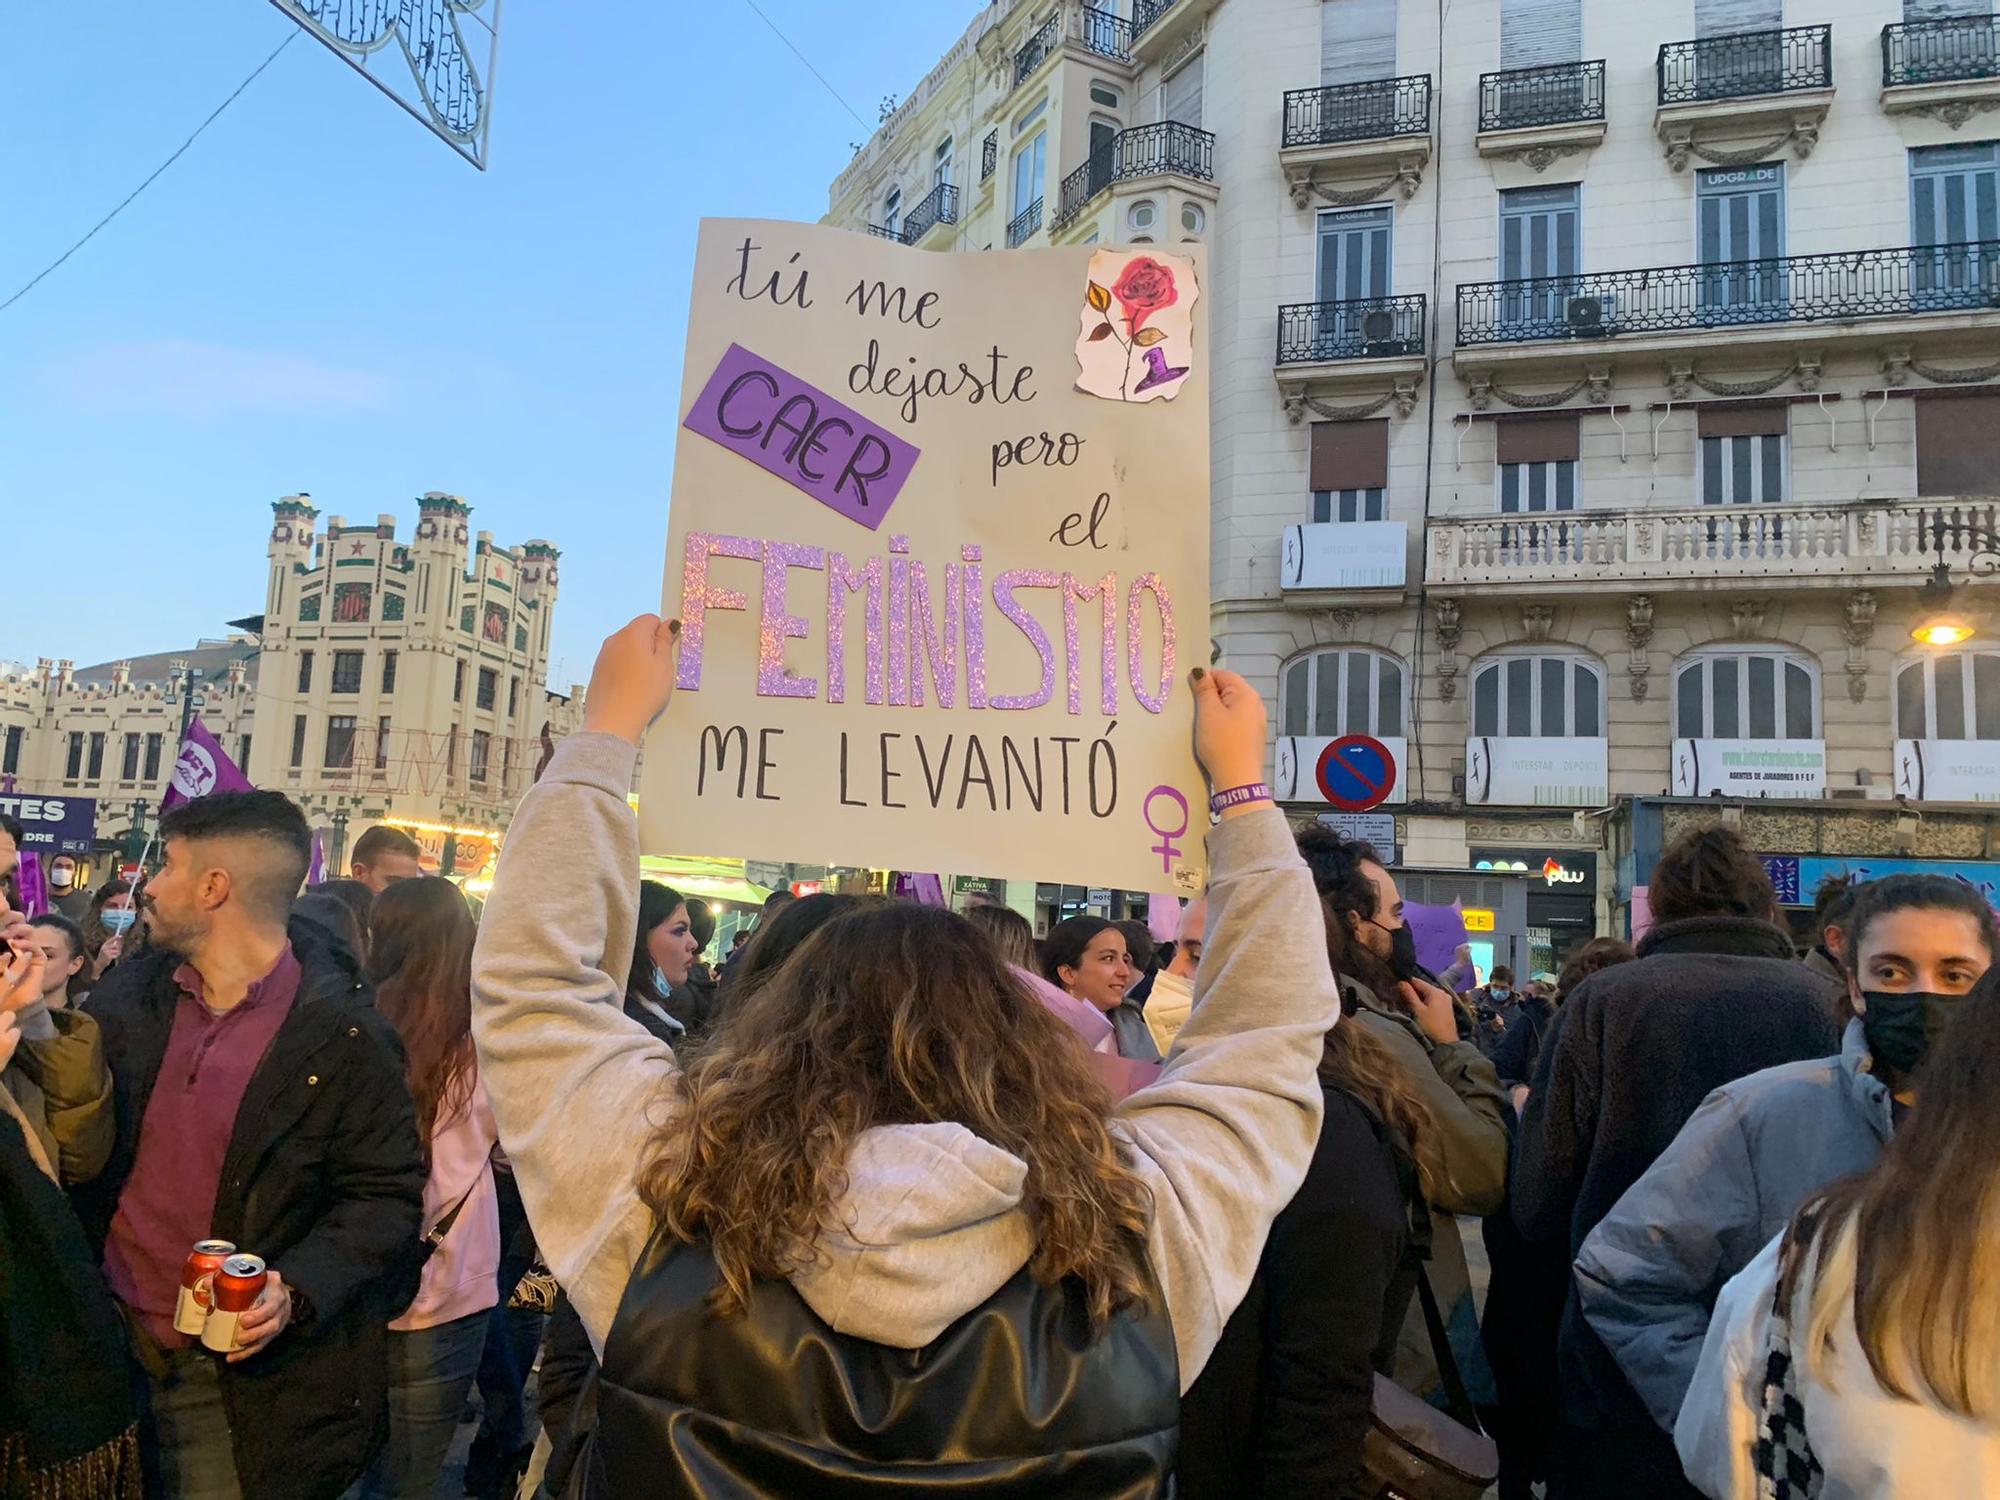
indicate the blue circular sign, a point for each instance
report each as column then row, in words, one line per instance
column 1356, row 772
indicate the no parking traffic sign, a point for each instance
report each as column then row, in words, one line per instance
column 1356, row 772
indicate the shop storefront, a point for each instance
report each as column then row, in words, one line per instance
column 1561, row 886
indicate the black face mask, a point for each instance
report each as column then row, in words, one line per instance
column 1402, row 951
column 1901, row 1027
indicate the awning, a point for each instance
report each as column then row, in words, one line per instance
column 710, row 879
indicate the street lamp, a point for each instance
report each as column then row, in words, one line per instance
column 1938, row 624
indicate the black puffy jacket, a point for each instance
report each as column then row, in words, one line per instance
column 324, row 1178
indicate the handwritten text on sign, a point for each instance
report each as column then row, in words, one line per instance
column 992, row 681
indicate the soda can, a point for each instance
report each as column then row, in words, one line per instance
column 237, row 1284
column 197, row 1279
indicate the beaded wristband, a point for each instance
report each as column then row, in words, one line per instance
column 1255, row 792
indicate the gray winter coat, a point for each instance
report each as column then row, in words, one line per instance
column 1649, row 1273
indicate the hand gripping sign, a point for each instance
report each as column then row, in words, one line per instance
column 938, row 525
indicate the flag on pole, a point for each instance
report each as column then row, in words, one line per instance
column 316, row 865
column 33, row 883
column 202, row 767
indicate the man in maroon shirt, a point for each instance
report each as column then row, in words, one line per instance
column 260, row 1100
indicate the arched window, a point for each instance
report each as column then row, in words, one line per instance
column 1951, row 697
column 892, row 211
column 1733, row 693
column 1551, row 697
column 1348, row 690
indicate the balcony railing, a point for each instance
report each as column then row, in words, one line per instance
column 1746, row 64
column 1362, row 328
column 1164, row 146
column 1036, row 49
column 884, row 232
column 1868, row 539
column 1378, row 109
column 1146, row 12
column 1024, row 223
column 1941, row 51
column 938, row 206
column 1107, row 33
column 1790, row 289
column 989, row 154
column 1559, row 94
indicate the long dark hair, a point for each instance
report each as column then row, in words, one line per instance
column 1913, row 1246
column 781, row 934
column 420, row 963
column 657, row 903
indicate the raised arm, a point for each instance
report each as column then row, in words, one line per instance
column 577, row 1086
column 1224, row 1138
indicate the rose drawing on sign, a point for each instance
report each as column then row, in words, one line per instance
column 1136, row 314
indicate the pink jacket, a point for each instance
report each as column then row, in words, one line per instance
column 1121, row 1075
column 459, row 1277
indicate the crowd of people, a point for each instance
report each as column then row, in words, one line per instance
column 896, row 1201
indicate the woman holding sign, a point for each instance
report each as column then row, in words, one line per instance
column 888, row 1231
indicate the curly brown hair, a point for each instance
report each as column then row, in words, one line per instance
column 893, row 1014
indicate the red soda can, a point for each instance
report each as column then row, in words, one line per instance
column 237, row 1285
column 197, row 1276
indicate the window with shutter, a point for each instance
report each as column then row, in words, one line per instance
column 1954, row 697
column 1730, row 17
column 1357, row 40
column 1180, row 95
column 1539, row 244
column 1958, row 445
column 1741, row 220
column 1536, row 33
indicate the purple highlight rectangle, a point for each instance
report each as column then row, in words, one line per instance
column 805, row 437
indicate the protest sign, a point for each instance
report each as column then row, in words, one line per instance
column 939, row 546
column 54, row 825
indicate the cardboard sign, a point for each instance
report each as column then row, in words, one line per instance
column 939, row 546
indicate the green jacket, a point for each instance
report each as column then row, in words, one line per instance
column 59, row 1080
column 1464, row 1152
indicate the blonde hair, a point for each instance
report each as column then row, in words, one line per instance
column 1912, row 1249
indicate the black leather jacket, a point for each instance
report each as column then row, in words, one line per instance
column 1018, row 1398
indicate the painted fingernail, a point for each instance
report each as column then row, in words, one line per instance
column 1196, row 675
column 673, row 627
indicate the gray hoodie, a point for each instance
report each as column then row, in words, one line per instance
column 932, row 1222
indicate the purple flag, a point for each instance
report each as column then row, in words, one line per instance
column 1438, row 931
column 316, row 865
column 33, row 882
column 202, row 767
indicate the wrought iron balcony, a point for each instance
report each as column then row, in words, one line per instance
column 938, row 206
column 1107, row 33
column 1363, row 328
column 1165, row 146
column 1035, row 50
column 884, row 232
column 1746, row 64
column 1375, row 110
column 1146, row 12
column 1791, row 289
column 1559, row 94
column 1024, row 223
column 989, row 154
column 1946, row 50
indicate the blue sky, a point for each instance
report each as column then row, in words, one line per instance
column 321, row 296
